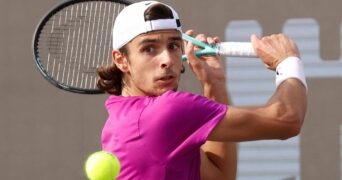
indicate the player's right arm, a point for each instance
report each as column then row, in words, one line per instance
column 282, row 116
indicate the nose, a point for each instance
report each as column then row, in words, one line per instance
column 166, row 60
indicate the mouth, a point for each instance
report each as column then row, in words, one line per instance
column 166, row 79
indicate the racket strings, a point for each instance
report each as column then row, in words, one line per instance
column 76, row 40
column 79, row 46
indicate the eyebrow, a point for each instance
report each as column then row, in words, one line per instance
column 156, row 40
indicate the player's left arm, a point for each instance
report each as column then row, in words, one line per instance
column 218, row 159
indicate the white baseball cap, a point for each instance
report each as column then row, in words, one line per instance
column 131, row 22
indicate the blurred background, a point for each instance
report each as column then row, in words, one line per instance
column 47, row 133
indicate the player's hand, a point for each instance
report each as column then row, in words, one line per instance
column 274, row 48
column 208, row 68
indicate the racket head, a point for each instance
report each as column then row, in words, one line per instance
column 66, row 52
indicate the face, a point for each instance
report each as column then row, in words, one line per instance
column 153, row 63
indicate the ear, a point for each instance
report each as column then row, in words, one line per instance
column 120, row 60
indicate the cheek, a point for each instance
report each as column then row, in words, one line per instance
column 142, row 72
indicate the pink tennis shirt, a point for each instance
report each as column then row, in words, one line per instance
column 159, row 138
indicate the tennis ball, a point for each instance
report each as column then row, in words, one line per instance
column 102, row 165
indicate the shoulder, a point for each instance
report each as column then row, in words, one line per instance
column 186, row 101
column 121, row 101
column 176, row 96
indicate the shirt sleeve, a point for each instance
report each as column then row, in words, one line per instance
column 179, row 122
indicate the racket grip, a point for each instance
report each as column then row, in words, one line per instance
column 236, row 49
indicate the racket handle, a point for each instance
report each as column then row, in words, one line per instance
column 237, row 49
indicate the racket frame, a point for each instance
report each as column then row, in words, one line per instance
column 35, row 49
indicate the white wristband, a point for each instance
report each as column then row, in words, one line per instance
column 291, row 67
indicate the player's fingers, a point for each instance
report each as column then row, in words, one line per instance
column 289, row 45
column 190, row 51
column 261, row 47
column 189, row 46
column 192, row 59
column 202, row 37
column 210, row 40
column 255, row 42
column 213, row 40
column 254, row 38
column 217, row 39
column 189, row 32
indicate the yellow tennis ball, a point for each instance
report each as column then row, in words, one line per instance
column 102, row 165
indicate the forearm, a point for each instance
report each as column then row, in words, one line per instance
column 286, row 111
column 292, row 99
column 288, row 105
column 217, row 91
column 219, row 161
column 280, row 118
column 291, row 88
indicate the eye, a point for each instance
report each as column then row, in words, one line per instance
column 148, row 49
column 174, row 46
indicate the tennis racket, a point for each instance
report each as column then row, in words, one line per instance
column 237, row 49
column 74, row 38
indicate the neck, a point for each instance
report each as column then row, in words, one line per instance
column 127, row 90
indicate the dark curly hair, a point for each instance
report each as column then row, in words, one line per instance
column 110, row 77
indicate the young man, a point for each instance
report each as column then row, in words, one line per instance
column 160, row 133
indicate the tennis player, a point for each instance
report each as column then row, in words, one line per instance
column 158, row 132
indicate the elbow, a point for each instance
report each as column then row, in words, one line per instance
column 288, row 119
column 291, row 126
column 290, row 132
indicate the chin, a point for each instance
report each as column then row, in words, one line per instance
column 175, row 89
column 162, row 91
